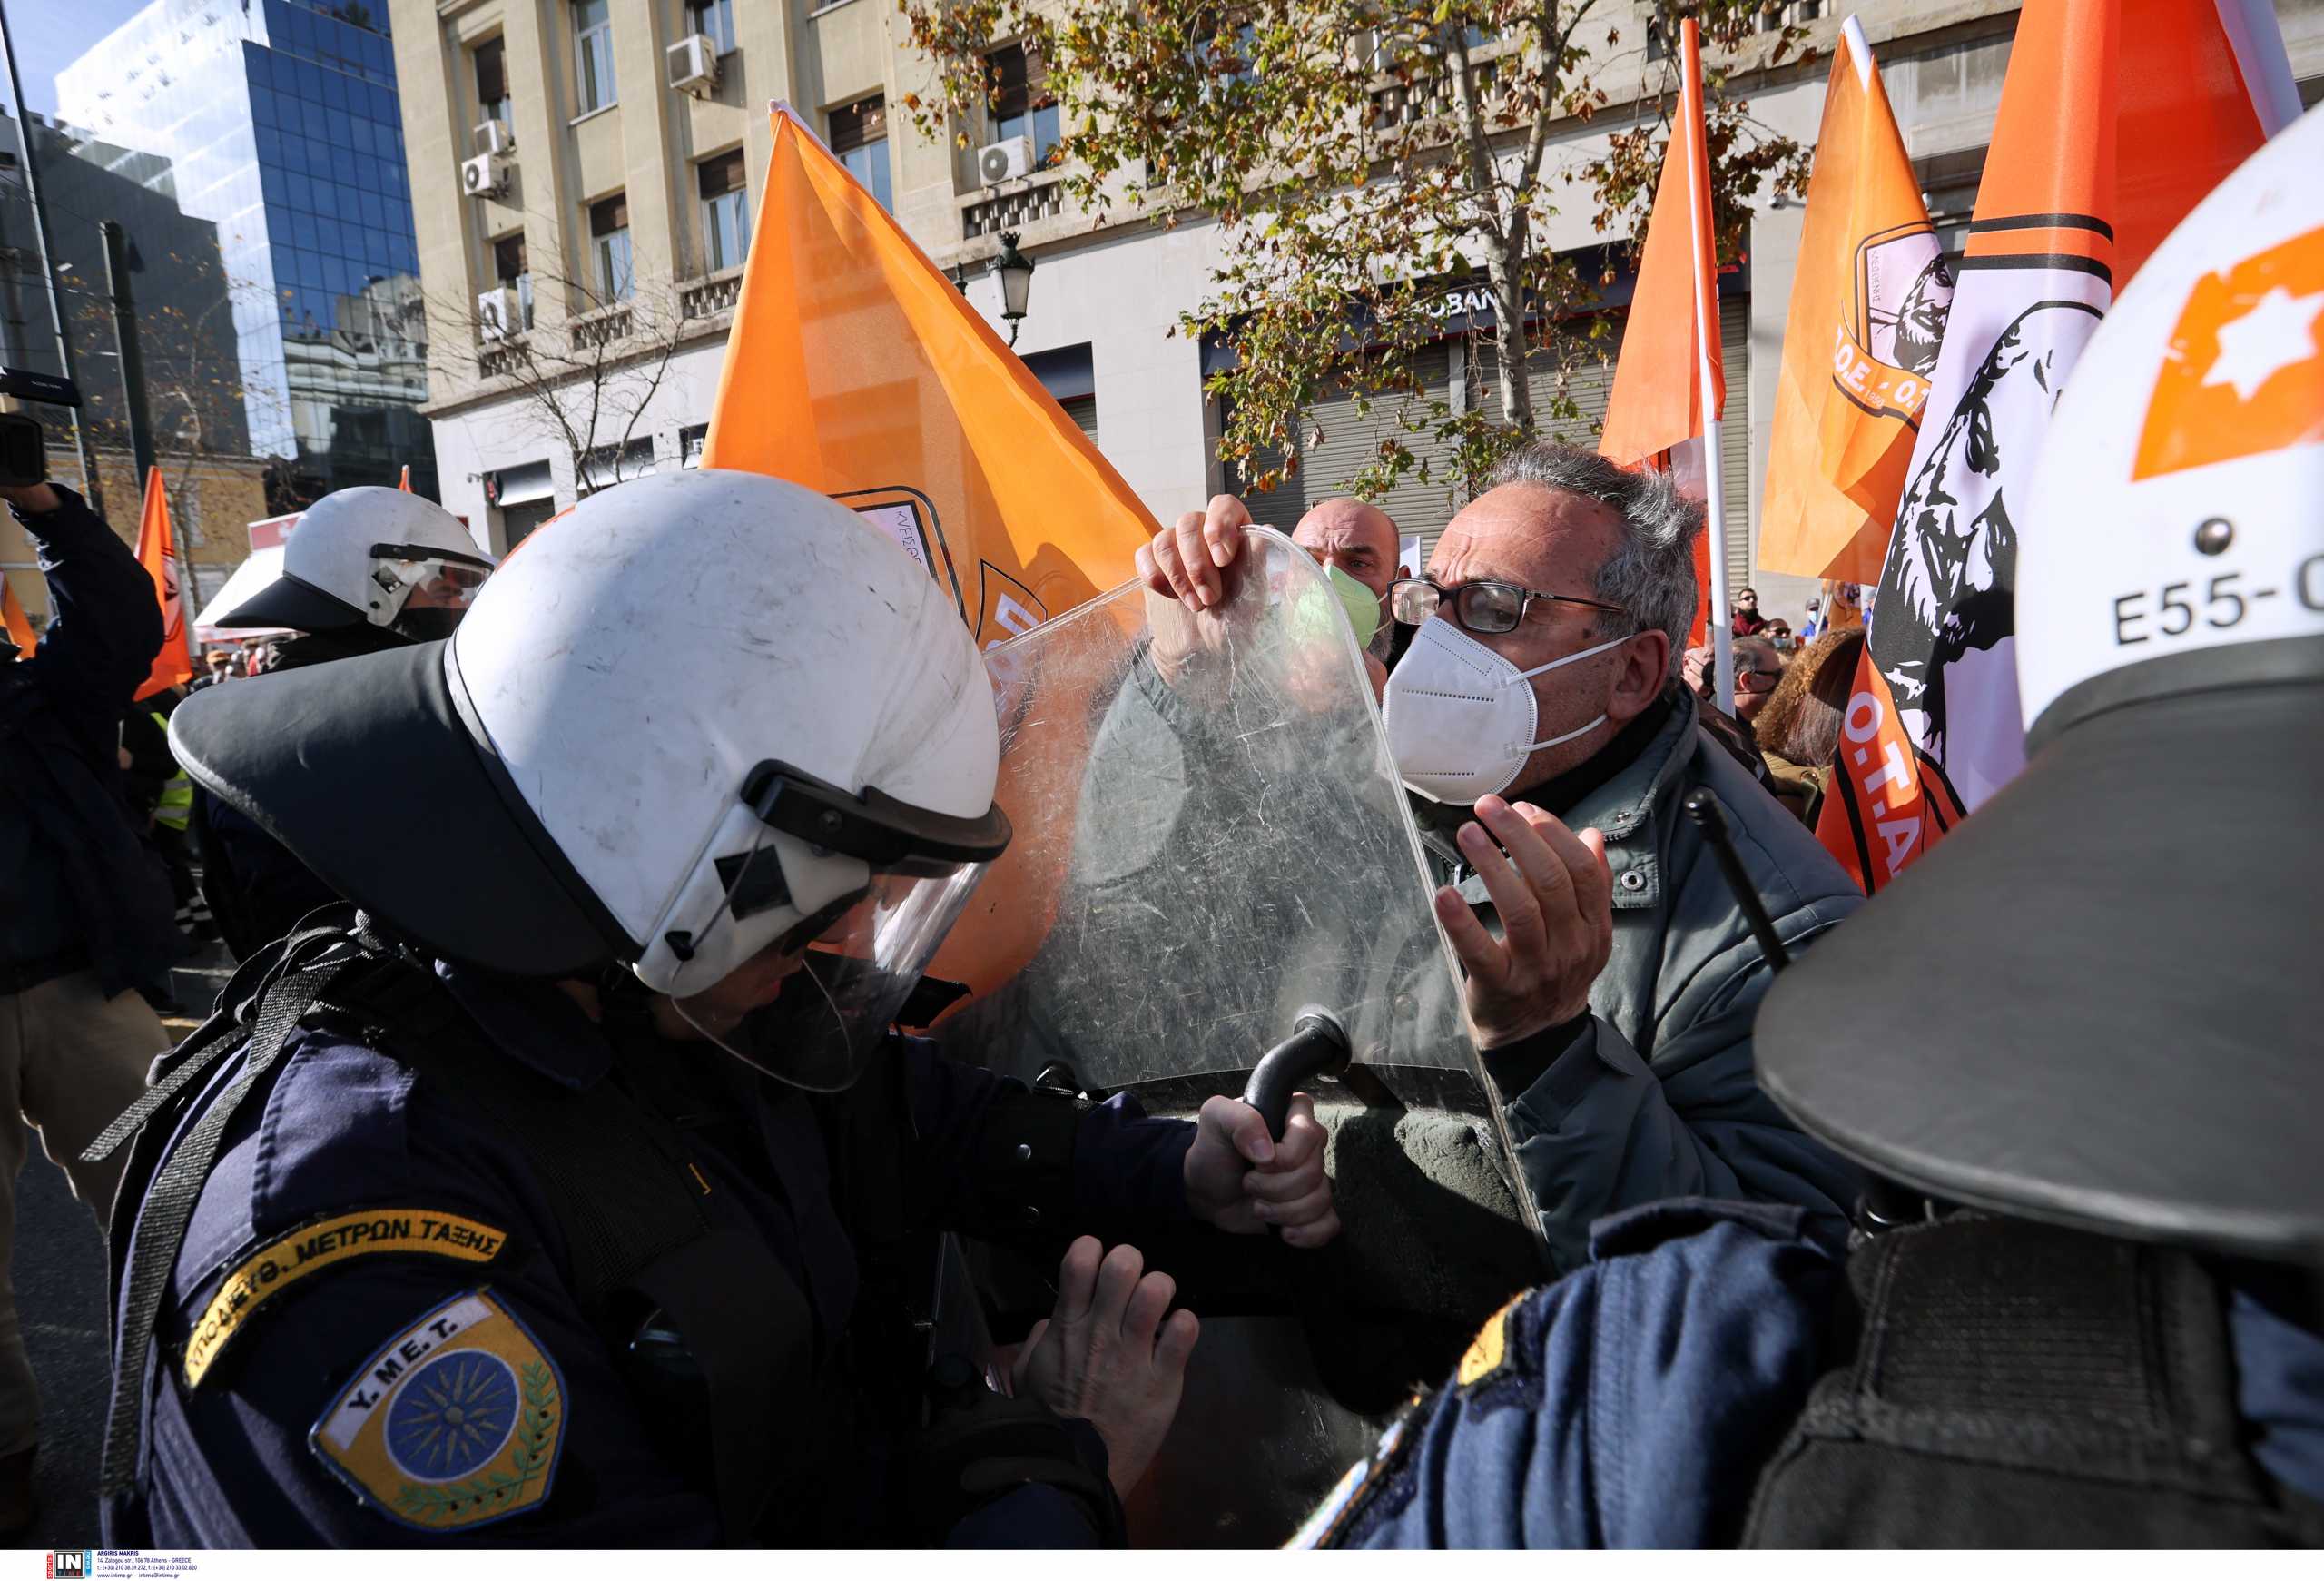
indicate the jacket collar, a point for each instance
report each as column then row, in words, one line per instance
column 1619, row 805
column 534, row 1023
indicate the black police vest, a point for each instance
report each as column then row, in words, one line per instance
column 625, row 1197
column 714, row 1335
column 2006, row 1384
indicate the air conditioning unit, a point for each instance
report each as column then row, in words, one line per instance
column 692, row 65
column 1010, row 159
column 494, row 137
column 486, row 176
column 500, row 314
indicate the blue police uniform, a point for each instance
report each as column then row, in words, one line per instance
column 1639, row 1401
column 372, row 1300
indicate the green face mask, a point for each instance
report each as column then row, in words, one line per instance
column 1362, row 605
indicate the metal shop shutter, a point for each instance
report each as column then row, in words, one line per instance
column 1349, row 442
column 1593, row 381
column 1083, row 410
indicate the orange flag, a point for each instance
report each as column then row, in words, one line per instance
column 403, row 480
column 1670, row 387
column 1669, row 382
column 12, row 614
column 157, row 551
column 2204, row 82
column 1887, row 801
column 1868, row 315
column 856, row 367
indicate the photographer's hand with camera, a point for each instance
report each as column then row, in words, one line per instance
column 30, row 498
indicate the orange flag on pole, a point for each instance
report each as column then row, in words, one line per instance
column 2115, row 117
column 403, row 480
column 1669, row 386
column 1669, row 380
column 157, row 551
column 856, row 367
column 1868, row 315
column 12, row 614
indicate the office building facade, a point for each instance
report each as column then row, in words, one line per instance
column 280, row 123
column 617, row 139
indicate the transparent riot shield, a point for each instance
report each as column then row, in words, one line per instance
column 1210, row 836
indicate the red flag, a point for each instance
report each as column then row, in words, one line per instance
column 157, row 551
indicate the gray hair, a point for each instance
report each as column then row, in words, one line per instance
column 1653, row 574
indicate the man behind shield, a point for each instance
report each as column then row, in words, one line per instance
column 1536, row 718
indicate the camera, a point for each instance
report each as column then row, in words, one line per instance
column 23, row 451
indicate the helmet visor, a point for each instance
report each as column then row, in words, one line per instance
column 421, row 595
column 812, row 1006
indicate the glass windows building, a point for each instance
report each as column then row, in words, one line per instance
column 279, row 122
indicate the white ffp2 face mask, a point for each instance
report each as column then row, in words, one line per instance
column 1460, row 719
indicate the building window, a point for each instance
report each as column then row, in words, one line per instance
column 714, row 19
column 593, row 53
column 726, row 211
column 1023, row 106
column 492, row 83
column 510, row 270
column 860, row 138
column 609, row 238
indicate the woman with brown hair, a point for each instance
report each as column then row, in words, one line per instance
column 1798, row 727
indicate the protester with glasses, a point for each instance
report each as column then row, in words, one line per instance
column 1539, row 721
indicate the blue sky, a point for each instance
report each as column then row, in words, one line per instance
column 51, row 34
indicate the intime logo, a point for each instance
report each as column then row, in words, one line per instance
column 71, row 1563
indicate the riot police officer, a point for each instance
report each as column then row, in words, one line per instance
column 364, row 571
column 2077, row 1041
column 572, row 1191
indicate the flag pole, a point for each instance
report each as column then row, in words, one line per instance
column 1696, row 149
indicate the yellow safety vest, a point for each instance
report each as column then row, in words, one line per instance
column 176, row 807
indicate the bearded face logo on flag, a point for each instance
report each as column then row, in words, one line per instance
column 1861, row 338
column 1946, row 604
column 1902, row 291
column 2117, row 116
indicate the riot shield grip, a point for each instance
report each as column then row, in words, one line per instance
column 1317, row 1046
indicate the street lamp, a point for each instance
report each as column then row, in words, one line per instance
column 1016, row 272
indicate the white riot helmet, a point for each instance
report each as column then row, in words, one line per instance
column 376, row 557
column 703, row 719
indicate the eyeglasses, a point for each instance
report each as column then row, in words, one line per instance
column 1756, row 680
column 1485, row 608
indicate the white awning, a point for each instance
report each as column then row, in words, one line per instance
column 258, row 571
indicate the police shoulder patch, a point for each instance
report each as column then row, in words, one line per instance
column 316, row 1245
column 455, row 1422
column 1489, row 1348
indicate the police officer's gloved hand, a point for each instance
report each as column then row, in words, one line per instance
column 981, row 1446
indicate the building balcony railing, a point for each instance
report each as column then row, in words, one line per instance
column 712, row 294
column 604, row 327
column 501, row 358
column 1013, row 210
